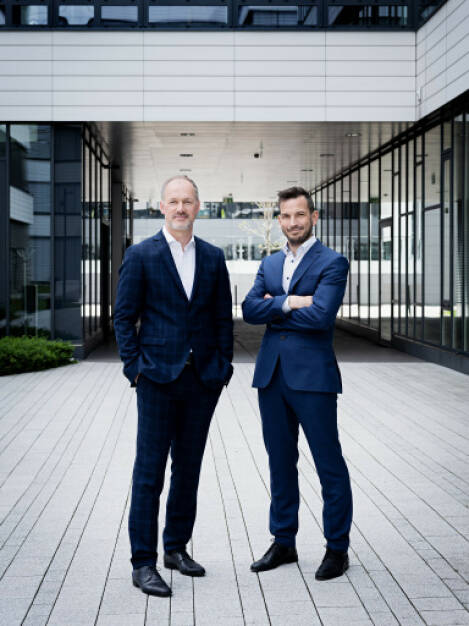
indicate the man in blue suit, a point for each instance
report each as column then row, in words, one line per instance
column 177, row 286
column 297, row 293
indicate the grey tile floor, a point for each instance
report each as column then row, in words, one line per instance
column 67, row 440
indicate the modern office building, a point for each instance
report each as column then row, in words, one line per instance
column 364, row 102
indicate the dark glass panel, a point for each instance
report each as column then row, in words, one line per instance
column 277, row 16
column 364, row 263
column 458, row 233
column 3, row 225
column 396, row 199
column 187, row 15
column 30, row 15
column 115, row 15
column 428, row 7
column 465, row 235
column 355, row 245
column 2, row 15
column 410, row 296
column 446, row 256
column 418, row 247
column 76, row 15
column 367, row 15
column 386, row 186
column 3, row 140
column 30, row 230
column 67, row 238
column 385, row 290
column 432, row 236
column 374, row 244
column 347, row 251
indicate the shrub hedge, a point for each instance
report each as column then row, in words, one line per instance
column 30, row 354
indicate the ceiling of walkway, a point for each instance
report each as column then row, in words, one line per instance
column 223, row 154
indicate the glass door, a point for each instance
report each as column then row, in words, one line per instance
column 385, row 303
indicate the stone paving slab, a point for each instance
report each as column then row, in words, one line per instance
column 67, row 440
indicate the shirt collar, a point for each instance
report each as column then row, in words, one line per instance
column 171, row 240
column 303, row 249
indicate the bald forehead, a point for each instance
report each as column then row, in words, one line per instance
column 179, row 187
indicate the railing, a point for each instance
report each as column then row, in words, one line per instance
column 216, row 14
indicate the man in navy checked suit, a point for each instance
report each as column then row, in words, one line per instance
column 297, row 294
column 177, row 286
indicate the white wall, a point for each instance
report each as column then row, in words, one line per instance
column 216, row 76
column 443, row 56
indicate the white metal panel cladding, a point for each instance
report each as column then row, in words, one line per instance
column 234, row 76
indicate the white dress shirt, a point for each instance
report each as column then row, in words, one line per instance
column 184, row 259
column 291, row 263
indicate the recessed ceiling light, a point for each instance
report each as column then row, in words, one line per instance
column 292, row 181
column 307, row 170
column 186, row 155
column 187, row 134
column 327, row 154
column 185, row 170
column 353, row 134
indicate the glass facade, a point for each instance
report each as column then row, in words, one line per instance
column 401, row 216
column 55, row 224
column 218, row 14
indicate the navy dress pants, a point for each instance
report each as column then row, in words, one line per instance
column 282, row 410
column 173, row 417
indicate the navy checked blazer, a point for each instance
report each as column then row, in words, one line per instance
column 151, row 291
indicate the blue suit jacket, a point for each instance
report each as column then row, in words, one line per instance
column 171, row 325
column 301, row 339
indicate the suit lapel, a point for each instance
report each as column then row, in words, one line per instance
column 198, row 266
column 277, row 261
column 305, row 263
column 168, row 260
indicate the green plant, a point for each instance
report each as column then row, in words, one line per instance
column 30, row 354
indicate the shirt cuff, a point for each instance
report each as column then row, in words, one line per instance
column 285, row 306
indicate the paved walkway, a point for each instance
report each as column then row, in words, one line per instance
column 67, row 445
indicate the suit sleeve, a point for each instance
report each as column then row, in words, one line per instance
column 127, row 311
column 326, row 301
column 224, row 311
column 256, row 310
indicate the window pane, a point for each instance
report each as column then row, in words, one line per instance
column 277, row 16
column 446, row 257
column 458, row 230
column 346, row 239
column 114, row 14
column 418, row 247
column 31, row 15
column 386, row 186
column 364, row 244
column 76, row 15
column 354, row 259
column 374, row 244
column 30, row 241
column 359, row 15
column 182, row 15
column 2, row 15
column 466, row 235
column 432, row 276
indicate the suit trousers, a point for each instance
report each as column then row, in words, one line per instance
column 173, row 417
column 283, row 410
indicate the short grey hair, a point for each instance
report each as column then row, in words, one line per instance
column 179, row 177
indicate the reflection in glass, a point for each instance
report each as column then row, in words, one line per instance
column 354, row 258
column 30, row 242
column 364, row 260
column 76, row 15
column 2, row 15
column 347, row 249
column 432, row 308
column 277, row 16
column 386, row 269
column 30, row 15
column 112, row 15
column 466, row 232
column 418, row 248
column 367, row 15
column 374, row 244
column 187, row 15
column 396, row 240
column 410, row 297
column 446, row 257
column 386, row 186
column 457, row 236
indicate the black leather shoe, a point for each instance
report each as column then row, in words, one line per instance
column 333, row 564
column 149, row 581
column 180, row 560
column 276, row 555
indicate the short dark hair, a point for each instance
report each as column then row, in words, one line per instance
column 295, row 192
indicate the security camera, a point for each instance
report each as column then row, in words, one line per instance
column 257, row 155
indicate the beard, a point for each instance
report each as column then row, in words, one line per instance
column 181, row 226
column 296, row 239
